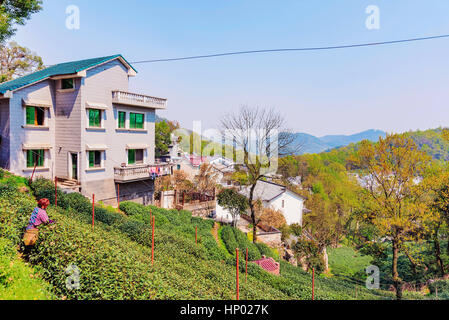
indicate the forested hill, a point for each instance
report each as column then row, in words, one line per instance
column 431, row 141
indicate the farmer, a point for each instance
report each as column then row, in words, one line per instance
column 38, row 217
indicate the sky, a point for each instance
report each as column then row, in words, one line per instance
column 394, row 88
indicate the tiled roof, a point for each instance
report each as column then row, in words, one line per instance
column 268, row 264
column 58, row 69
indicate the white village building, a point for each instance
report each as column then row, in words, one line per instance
column 275, row 196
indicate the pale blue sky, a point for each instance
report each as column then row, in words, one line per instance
column 392, row 88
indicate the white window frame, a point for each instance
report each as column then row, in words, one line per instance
column 102, row 162
column 126, row 119
column 144, row 121
column 102, row 115
column 46, row 117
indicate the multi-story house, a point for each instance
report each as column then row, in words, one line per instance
column 77, row 121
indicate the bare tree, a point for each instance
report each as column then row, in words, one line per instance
column 261, row 137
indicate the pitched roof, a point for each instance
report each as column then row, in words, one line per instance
column 57, row 69
column 267, row 191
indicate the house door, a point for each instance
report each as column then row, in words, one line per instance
column 74, row 166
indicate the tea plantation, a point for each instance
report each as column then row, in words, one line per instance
column 114, row 258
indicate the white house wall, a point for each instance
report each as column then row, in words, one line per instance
column 293, row 207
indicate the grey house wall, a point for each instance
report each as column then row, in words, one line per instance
column 97, row 88
column 68, row 126
column 4, row 133
column 19, row 135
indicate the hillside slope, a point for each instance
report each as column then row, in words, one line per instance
column 114, row 258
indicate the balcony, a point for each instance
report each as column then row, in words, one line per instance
column 139, row 100
column 141, row 172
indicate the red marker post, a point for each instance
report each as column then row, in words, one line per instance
column 56, row 191
column 246, row 266
column 93, row 211
column 237, row 273
column 152, row 245
column 313, row 283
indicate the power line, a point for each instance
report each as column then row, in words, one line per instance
column 293, row 49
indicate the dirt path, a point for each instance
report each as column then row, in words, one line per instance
column 215, row 232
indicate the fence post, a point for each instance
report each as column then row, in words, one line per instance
column 313, row 283
column 237, row 272
column 56, row 191
column 196, row 235
column 246, row 266
column 152, row 245
column 93, row 211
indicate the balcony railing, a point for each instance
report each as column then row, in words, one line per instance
column 140, row 100
column 141, row 172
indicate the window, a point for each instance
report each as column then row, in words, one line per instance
column 35, row 116
column 35, row 157
column 121, row 119
column 67, row 84
column 94, row 159
column 178, row 167
column 135, row 156
column 136, row 120
column 95, row 118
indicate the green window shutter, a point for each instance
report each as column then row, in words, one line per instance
column 30, row 159
column 94, row 118
column 40, row 160
column 132, row 120
column 139, row 121
column 91, row 159
column 121, row 119
column 131, row 156
column 30, row 115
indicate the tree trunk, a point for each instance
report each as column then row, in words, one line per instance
column 253, row 212
column 397, row 282
column 436, row 244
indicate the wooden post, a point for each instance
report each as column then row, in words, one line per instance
column 196, row 235
column 56, row 191
column 152, row 245
column 246, row 266
column 32, row 175
column 313, row 283
column 93, row 211
column 118, row 196
column 237, row 272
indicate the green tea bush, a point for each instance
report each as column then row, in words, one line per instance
column 243, row 243
column 114, row 258
column 229, row 240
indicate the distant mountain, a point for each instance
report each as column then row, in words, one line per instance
column 312, row 144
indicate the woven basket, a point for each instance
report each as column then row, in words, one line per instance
column 30, row 237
